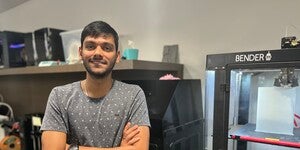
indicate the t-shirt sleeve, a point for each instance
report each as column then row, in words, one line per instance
column 139, row 111
column 55, row 118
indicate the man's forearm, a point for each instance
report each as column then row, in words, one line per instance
column 132, row 139
column 97, row 148
column 113, row 148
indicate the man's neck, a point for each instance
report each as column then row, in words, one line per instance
column 97, row 88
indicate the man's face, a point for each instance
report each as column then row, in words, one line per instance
column 99, row 55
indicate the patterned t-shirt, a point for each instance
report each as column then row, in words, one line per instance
column 95, row 122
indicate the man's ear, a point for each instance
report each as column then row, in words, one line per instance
column 118, row 56
column 80, row 52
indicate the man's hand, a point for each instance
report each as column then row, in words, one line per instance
column 130, row 137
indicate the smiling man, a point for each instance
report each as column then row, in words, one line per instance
column 98, row 113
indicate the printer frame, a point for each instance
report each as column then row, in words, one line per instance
column 218, row 87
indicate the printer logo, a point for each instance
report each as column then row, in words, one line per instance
column 268, row 56
column 253, row 57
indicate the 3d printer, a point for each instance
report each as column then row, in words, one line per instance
column 253, row 100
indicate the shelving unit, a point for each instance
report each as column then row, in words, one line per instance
column 26, row 89
column 123, row 65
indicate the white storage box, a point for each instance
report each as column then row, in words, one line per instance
column 71, row 43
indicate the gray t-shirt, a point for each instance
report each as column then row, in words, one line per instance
column 95, row 122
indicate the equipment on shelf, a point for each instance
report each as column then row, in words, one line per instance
column 27, row 49
column 12, row 49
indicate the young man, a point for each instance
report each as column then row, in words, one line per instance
column 98, row 113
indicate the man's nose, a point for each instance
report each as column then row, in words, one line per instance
column 99, row 50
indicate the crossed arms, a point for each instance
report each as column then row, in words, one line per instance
column 134, row 138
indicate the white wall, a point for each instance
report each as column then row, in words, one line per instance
column 200, row 27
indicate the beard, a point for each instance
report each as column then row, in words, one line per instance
column 99, row 74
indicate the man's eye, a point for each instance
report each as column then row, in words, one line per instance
column 90, row 47
column 107, row 48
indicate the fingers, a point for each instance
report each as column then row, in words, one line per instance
column 133, row 141
column 125, row 131
column 127, row 126
column 130, row 134
column 132, row 130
